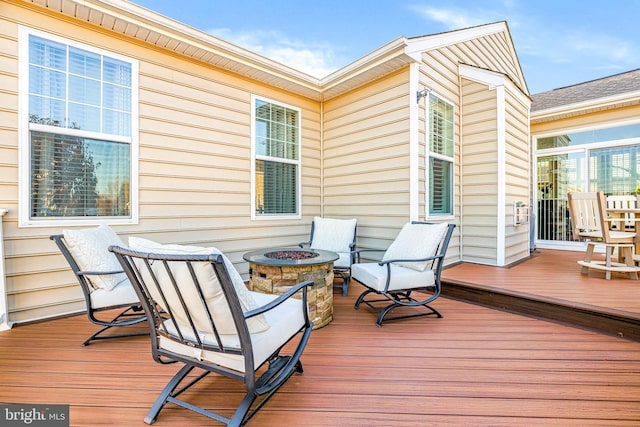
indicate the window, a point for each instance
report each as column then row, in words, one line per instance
column 440, row 149
column 78, row 151
column 598, row 159
column 276, row 159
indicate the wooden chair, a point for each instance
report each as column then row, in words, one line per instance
column 103, row 282
column 339, row 236
column 590, row 222
column 408, row 276
column 627, row 221
column 203, row 317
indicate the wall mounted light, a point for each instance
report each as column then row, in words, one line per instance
column 422, row 93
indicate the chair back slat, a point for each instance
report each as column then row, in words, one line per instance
column 585, row 214
column 163, row 281
column 590, row 219
column 623, row 202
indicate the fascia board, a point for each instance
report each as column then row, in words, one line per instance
column 493, row 79
column 436, row 41
column 585, row 106
column 132, row 14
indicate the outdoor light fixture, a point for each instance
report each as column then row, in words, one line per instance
column 422, row 93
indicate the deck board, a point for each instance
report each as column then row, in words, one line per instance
column 476, row 366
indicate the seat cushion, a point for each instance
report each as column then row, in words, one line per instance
column 344, row 260
column 374, row 276
column 416, row 241
column 213, row 294
column 89, row 249
column 333, row 235
column 286, row 320
column 121, row 294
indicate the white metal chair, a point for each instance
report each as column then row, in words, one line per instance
column 408, row 276
column 339, row 236
column 203, row 317
column 103, row 282
column 590, row 222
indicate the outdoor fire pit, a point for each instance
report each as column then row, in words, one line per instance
column 291, row 254
column 276, row 270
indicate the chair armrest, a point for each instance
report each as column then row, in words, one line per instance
column 359, row 251
column 303, row 244
column 389, row 261
column 281, row 298
column 356, row 253
column 98, row 273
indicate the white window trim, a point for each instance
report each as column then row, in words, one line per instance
column 24, row 128
column 255, row 157
column 429, row 154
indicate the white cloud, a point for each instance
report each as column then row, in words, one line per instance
column 456, row 18
column 317, row 59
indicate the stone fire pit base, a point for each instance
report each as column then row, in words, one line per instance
column 271, row 279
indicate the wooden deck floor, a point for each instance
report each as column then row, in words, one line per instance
column 549, row 285
column 474, row 367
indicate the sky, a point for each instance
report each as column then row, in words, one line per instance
column 558, row 42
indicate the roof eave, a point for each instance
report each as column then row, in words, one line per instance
column 584, row 107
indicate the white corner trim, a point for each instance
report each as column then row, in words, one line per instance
column 4, row 312
column 501, row 124
column 414, row 143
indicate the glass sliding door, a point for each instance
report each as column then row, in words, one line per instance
column 605, row 160
column 558, row 175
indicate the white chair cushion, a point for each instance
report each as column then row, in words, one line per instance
column 344, row 261
column 416, row 241
column 285, row 320
column 89, row 249
column 213, row 294
column 121, row 294
column 374, row 276
column 333, row 235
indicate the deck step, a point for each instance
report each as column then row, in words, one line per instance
column 586, row 316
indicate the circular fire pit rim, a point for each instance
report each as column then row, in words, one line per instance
column 259, row 256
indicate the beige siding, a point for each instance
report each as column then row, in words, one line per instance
column 366, row 158
column 479, row 188
column 475, row 159
column 194, row 170
column 517, row 181
column 195, row 145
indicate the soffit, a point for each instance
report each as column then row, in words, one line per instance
column 149, row 27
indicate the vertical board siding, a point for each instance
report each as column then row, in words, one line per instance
column 194, row 168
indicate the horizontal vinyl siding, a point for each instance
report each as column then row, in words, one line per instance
column 366, row 158
column 517, row 178
column 478, row 173
column 440, row 75
column 194, row 169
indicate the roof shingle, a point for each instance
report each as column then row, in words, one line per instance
column 628, row 81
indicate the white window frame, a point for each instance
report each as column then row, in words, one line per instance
column 429, row 154
column 255, row 156
column 24, row 129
